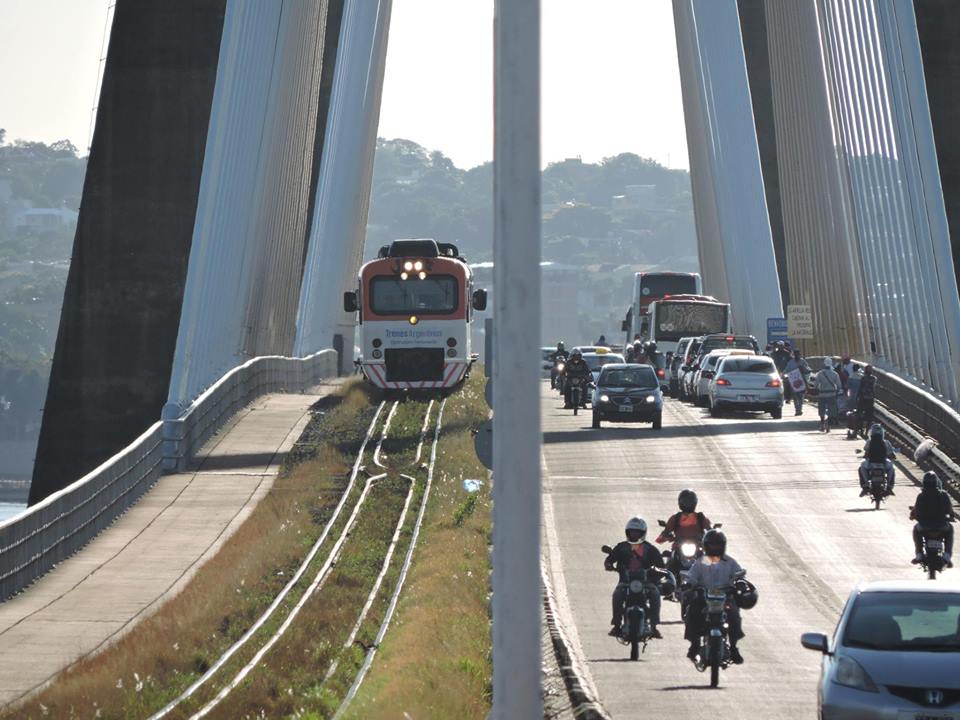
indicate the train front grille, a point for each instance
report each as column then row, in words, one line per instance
column 414, row 364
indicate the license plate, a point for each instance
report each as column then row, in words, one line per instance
column 747, row 398
column 626, row 408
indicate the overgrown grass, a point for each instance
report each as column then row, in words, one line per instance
column 435, row 660
column 166, row 652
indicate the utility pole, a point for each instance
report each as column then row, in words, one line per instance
column 517, row 605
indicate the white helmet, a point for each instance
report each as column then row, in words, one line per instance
column 638, row 524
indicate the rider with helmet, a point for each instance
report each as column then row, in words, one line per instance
column 877, row 451
column 560, row 356
column 634, row 553
column 716, row 569
column 576, row 367
column 686, row 525
column 933, row 512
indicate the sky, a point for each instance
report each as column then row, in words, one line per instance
column 610, row 78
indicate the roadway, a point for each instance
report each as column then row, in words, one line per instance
column 787, row 496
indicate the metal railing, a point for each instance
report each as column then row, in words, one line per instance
column 36, row 540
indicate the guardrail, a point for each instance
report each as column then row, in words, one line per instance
column 36, row 540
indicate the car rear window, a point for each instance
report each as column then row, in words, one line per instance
column 754, row 365
column 919, row 621
column 741, row 342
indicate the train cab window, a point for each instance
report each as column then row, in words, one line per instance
column 434, row 295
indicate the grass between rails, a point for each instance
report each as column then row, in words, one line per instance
column 435, row 660
column 166, row 652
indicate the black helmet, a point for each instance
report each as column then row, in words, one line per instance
column 576, row 354
column 931, row 481
column 687, row 500
column 714, row 543
column 652, row 346
column 560, row 345
column 745, row 594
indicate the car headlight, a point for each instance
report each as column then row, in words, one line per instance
column 604, row 398
column 688, row 550
column 636, row 586
column 651, row 398
column 850, row 673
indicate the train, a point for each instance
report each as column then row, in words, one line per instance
column 415, row 305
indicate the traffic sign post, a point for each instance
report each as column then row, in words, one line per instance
column 777, row 330
column 800, row 322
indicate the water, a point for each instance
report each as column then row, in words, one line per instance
column 8, row 510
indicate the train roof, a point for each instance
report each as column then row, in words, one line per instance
column 420, row 247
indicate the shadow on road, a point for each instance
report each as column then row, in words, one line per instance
column 615, row 660
column 672, row 688
column 859, row 510
column 249, row 461
column 586, row 434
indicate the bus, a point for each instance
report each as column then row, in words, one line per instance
column 649, row 287
column 681, row 316
column 415, row 306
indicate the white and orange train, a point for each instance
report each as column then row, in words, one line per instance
column 415, row 306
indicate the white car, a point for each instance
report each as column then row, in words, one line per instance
column 708, row 367
column 746, row 383
column 894, row 654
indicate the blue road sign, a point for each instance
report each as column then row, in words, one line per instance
column 776, row 329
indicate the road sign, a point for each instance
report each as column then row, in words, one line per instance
column 777, row 329
column 800, row 322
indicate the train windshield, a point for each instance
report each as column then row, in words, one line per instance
column 434, row 295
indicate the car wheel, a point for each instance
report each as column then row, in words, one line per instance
column 657, row 421
column 714, row 410
column 776, row 413
column 596, row 421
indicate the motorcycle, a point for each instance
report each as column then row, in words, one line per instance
column 876, row 480
column 679, row 559
column 578, row 392
column 636, row 630
column 556, row 374
column 933, row 550
column 715, row 644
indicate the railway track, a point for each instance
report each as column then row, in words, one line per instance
column 227, row 674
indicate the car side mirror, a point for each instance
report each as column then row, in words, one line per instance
column 480, row 300
column 350, row 302
column 815, row 641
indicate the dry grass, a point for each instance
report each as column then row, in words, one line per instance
column 435, row 660
column 164, row 653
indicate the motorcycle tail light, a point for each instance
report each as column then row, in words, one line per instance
column 774, row 383
column 660, row 372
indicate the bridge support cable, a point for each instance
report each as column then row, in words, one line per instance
column 868, row 243
column 516, row 368
column 246, row 259
column 338, row 225
column 733, row 226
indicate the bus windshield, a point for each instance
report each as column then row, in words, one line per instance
column 656, row 285
column 434, row 295
column 676, row 320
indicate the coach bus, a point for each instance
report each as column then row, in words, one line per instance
column 649, row 287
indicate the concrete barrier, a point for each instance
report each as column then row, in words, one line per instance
column 36, row 540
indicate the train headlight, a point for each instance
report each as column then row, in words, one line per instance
column 451, row 342
column 408, row 266
column 451, row 352
column 414, row 319
column 377, row 342
column 403, row 276
column 423, row 275
column 377, row 354
column 418, row 266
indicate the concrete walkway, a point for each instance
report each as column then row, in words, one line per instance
column 151, row 552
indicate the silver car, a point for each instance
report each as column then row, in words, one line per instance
column 708, row 368
column 746, row 383
column 895, row 654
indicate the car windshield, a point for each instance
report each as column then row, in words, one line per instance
column 748, row 365
column 920, row 621
column 643, row 377
column 595, row 362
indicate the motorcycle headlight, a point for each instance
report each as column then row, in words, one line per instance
column 688, row 550
column 604, row 398
column 636, row 586
column 850, row 673
column 651, row 398
column 560, row 367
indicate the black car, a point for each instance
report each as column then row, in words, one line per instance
column 628, row 392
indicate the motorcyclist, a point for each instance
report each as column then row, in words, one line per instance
column 714, row 570
column 686, row 525
column 576, row 367
column 932, row 511
column 877, row 451
column 634, row 553
column 780, row 355
column 560, row 355
column 639, row 354
column 601, row 341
